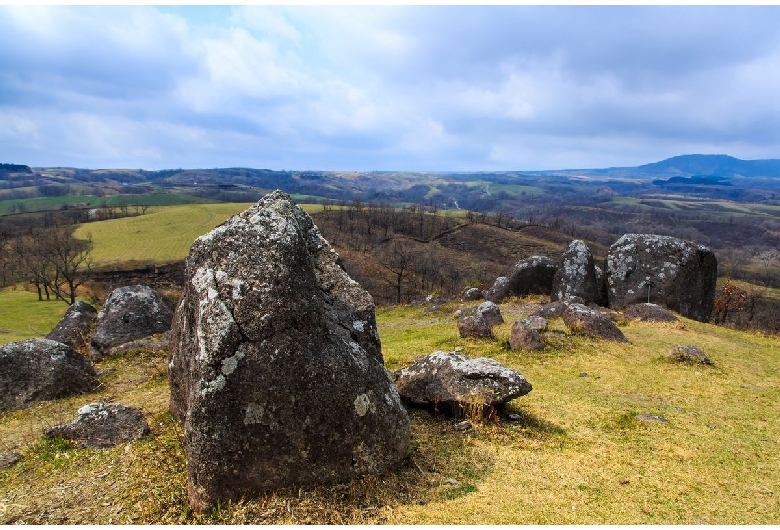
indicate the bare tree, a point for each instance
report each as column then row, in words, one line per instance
column 69, row 258
column 398, row 258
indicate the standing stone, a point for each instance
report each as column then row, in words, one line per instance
column 130, row 313
column 679, row 275
column 532, row 275
column 36, row 370
column 576, row 275
column 474, row 326
column 491, row 313
column 75, row 326
column 276, row 370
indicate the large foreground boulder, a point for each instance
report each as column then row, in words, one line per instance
column 75, row 326
column 678, row 274
column 39, row 370
column 576, row 275
column 130, row 313
column 101, row 425
column 276, row 370
column 451, row 380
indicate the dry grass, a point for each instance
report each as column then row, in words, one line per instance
column 577, row 455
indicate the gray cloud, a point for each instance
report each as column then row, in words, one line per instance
column 428, row 88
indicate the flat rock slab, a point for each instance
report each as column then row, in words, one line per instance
column 101, row 425
column 649, row 313
column 580, row 319
column 688, row 354
column 444, row 378
column 36, row 370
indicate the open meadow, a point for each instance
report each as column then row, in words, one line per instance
column 577, row 455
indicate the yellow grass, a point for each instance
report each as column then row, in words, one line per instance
column 577, row 455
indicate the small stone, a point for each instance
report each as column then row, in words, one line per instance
column 8, row 459
column 583, row 374
column 101, row 425
column 690, row 354
column 451, row 482
column 462, row 426
column 514, row 417
column 651, row 417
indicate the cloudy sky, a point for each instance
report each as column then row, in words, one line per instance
column 392, row 88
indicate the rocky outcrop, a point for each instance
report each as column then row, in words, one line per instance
column 75, row 326
column 130, row 313
column 524, row 337
column 580, row 319
column 275, row 364
column 649, row 313
column 39, row 370
column 688, row 354
column 451, row 380
column 677, row 274
column 101, row 425
column 576, row 275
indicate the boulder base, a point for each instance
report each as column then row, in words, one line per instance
column 276, row 370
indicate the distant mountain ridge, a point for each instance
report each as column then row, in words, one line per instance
column 687, row 166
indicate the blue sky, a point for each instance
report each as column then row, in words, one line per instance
column 386, row 88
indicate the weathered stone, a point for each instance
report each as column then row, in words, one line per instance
column 688, row 354
column 649, row 313
column 551, row 310
column 580, row 319
column 75, row 326
column 453, row 380
column 536, row 323
column 141, row 344
column 680, row 275
column 576, row 274
column 130, row 313
column 36, row 370
column 101, row 425
column 9, row 458
column 491, row 313
column 652, row 417
column 532, row 275
column 275, row 363
column 472, row 293
column 524, row 337
column 498, row 291
column 474, row 326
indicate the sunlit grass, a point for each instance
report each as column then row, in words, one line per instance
column 22, row 316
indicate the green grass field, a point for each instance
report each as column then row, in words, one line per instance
column 22, row 316
column 162, row 235
column 577, row 455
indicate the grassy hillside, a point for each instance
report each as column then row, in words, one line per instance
column 22, row 316
column 578, row 455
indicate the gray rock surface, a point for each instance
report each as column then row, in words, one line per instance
column 9, row 458
column 649, row 313
column 498, row 291
column 474, row 326
column 472, row 293
column 276, row 370
column 453, row 380
column 524, row 337
column 576, row 275
column 491, row 313
column 101, row 425
column 130, row 313
column 536, row 323
column 688, row 354
column 580, row 319
column 682, row 273
column 36, row 370
column 76, row 325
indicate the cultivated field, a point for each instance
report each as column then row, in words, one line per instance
column 578, row 454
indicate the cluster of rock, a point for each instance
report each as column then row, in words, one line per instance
column 676, row 274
